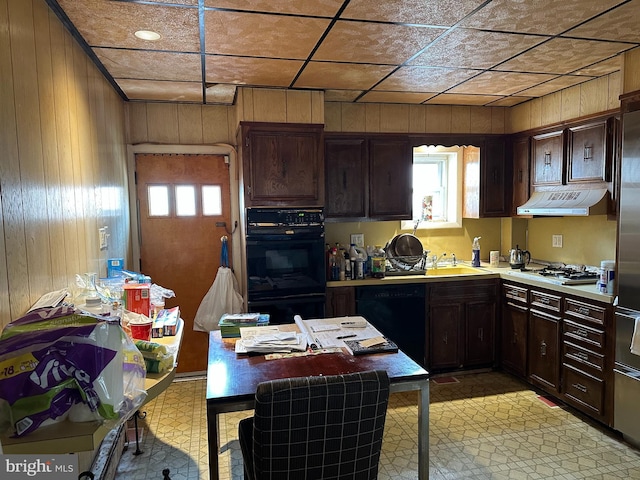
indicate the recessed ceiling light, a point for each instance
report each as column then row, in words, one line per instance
column 147, row 35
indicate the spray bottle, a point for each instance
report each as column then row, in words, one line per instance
column 475, row 252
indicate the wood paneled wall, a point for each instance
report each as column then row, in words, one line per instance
column 280, row 106
column 592, row 97
column 63, row 166
column 396, row 118
column 180, row 124
column 631, row 71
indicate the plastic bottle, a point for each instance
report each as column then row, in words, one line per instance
column 378, row 262
column 475, row 252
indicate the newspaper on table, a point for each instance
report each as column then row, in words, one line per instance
column 269, row 340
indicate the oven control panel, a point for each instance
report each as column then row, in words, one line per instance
column 283, row 217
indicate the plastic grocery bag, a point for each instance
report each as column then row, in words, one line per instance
column 60, row 363
column 222, row 297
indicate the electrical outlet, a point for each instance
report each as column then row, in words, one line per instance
column 358, row 239
column 556, row 241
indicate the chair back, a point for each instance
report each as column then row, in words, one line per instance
column 325, row 427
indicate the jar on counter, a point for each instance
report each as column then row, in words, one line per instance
column 378, row 262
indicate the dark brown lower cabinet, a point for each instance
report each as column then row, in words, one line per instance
column 544, row 360
column 514, row 338
column 340, row 302
column 461, row 324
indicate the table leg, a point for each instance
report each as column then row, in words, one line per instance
column 213, row 435
column 423, row 431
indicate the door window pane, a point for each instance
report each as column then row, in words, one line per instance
column 158, row 196
column 185, row 200
column 211, row 200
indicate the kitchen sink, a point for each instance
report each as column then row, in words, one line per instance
column 448, row 270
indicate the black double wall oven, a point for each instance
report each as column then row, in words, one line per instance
column 286, row 262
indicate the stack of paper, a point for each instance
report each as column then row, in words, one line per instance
column 269, row 340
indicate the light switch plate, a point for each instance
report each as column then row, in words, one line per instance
column 358, row 239
column 556, row 241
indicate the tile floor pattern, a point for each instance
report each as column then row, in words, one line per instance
column 487, row 426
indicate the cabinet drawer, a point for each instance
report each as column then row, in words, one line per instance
column 463, row 289
column 584, row 389
column 546, row 301
column 515, row 294
column 585, row 311
column 587, row 336
column 582, row 358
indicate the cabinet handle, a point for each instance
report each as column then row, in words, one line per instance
column 584, row 311
column 582, row 356
column 547, row 159
column 445, row 339
column 284, row 168
column 543, row 349
column 581, row 332
column 544, row 300
column 588, row 153
column 495, row 176
column 515, row 338
column 344, row 180
column 580, row 387
column 481, row 334
column 520, row 176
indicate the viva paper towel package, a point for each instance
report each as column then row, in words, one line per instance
column 61, row 364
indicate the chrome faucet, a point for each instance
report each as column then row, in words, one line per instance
column 436, row 259
column 454, row 261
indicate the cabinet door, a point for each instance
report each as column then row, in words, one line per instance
column 494, row 191
column 520, row 173
column 283, row 165
column 548, row 158
column 514, row 338
column 340, row 302
column 390, row 179
column 346, row 177
column 444, row 336
column 544, row 365
column 479, row 331
column 587, row 154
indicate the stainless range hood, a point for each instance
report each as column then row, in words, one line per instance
column 562, row 203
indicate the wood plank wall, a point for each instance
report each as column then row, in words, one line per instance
column 63, row 167
column 595, row 96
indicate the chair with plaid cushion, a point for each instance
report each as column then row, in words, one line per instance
column 326, row 427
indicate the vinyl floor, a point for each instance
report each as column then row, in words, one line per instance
column 482, row 426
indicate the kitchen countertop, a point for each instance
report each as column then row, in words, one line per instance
column 503, row 271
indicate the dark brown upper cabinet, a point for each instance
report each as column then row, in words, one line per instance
column 282, row 164
column 520, row 152
column 587, row 153
column 548, row 160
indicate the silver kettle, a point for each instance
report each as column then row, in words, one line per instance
column 519, row 258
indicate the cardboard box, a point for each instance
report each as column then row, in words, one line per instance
column 114, row 267
column 136, row 297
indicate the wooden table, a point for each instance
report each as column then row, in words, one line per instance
column 232, row 380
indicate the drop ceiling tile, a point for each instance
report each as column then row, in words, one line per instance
column 554, row 85
column 251, row 71
column 341, row 95
column 559, row 56
column 221, row 94
column 475, row 49
column 462, row 99
column 341, row 76
column 620, row 24
column 114, row 24
column 161, row 91
column 508, row 101
column 395, row 97
column 434, row 79
column 364, row 42
column 261, row 35
column 601, row 68
column 547, row 17
column 151, row 65
column 435, row 12
column 500, row 83
column 320, row 8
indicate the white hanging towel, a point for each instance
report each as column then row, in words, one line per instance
column 635, row 339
